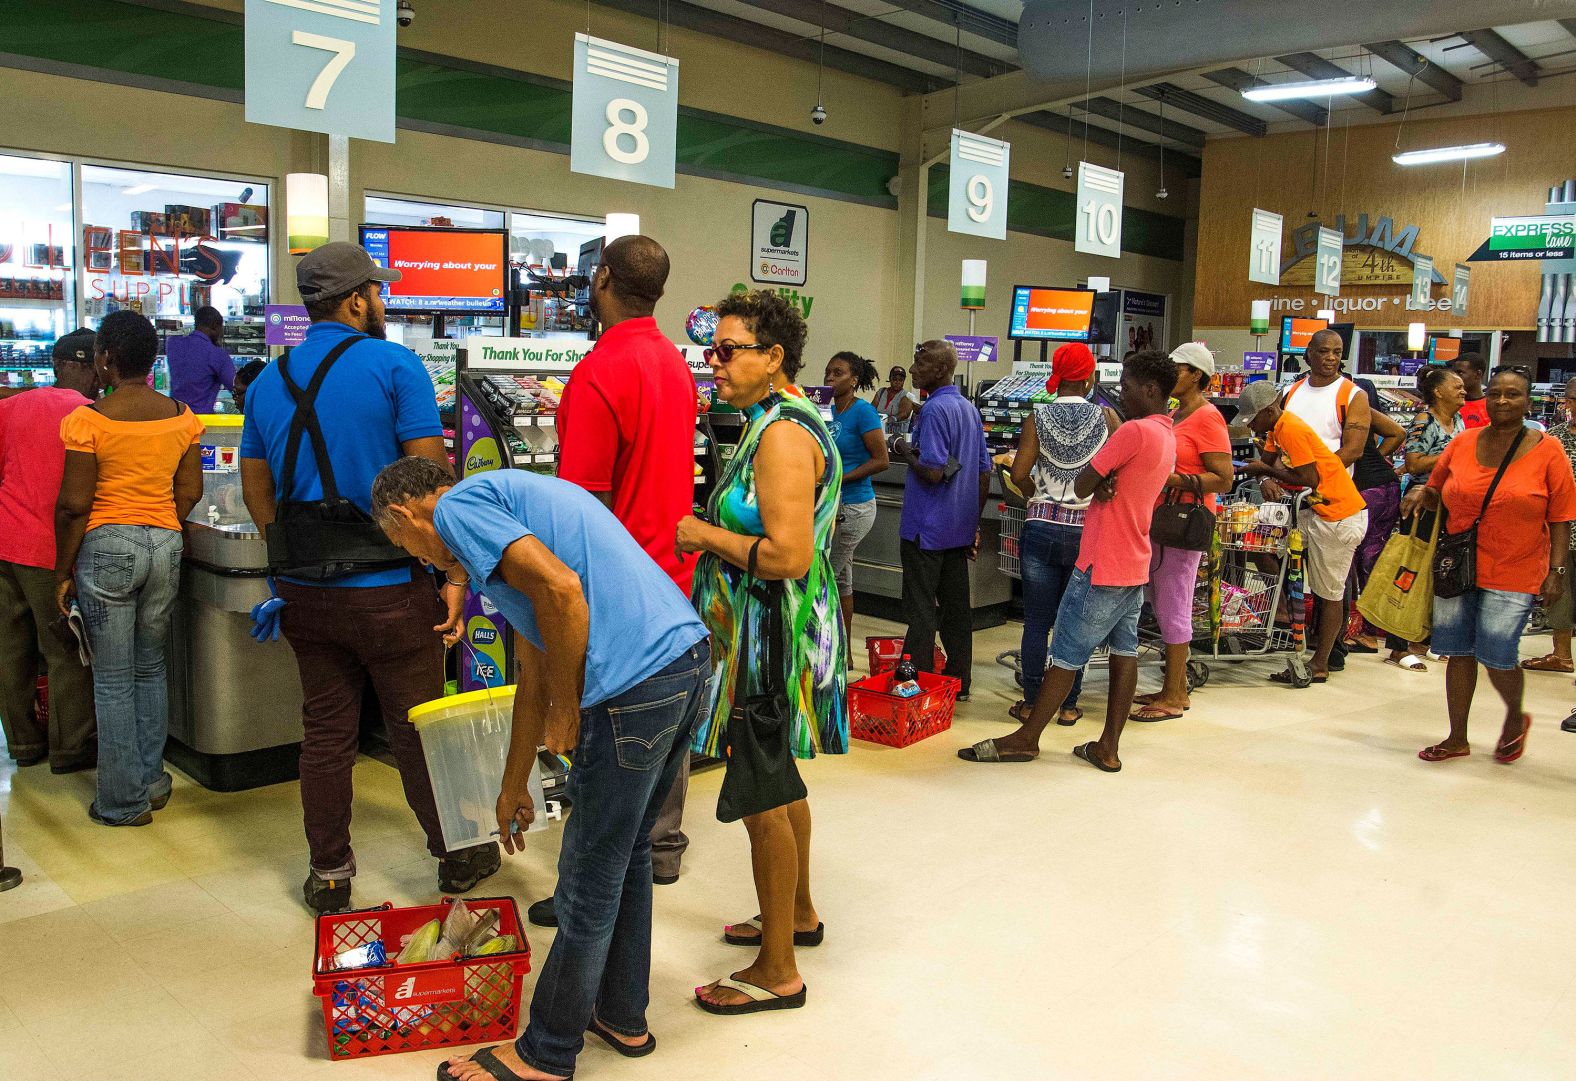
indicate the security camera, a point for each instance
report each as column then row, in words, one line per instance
column 818, row 114
column 405, row 12
column 1162, row 193
column 1067, row 172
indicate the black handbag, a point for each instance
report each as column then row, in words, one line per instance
column 1455, row 557
column 1185, row 526
column 761, row 773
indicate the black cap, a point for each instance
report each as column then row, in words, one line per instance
column 338, row 268
column 77, row 346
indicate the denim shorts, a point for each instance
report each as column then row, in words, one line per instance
column 1092, row 616
column 1483, row 623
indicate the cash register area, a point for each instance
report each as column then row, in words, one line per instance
column 1261, row 893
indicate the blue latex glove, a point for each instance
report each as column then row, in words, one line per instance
column 265, row 616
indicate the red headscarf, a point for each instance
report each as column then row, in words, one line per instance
column 1072, row 363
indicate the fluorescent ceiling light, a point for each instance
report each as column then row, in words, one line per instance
column 1448, row 153
column 1316, row 88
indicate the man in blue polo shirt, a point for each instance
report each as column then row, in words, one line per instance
column 613, row 668
column 943, row 497
column 348, row 399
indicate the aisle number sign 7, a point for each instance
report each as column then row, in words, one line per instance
column 624, row 113
column 322, row 65
column 977, row 185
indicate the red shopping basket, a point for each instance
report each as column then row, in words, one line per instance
column 879, row 716
column 382, row 1011
column 886, row 652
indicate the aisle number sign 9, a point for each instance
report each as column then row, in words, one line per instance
column 624, row 116
column 322, row 65
column 1099, row 219
column 977, row 187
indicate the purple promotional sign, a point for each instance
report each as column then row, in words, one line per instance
column 285, row 324
column 1258, row 362
column 977, row 350
column 1412, row 365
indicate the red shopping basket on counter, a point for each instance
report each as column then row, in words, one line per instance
column 877, row 715
column 886, row 652
column 382, row 1011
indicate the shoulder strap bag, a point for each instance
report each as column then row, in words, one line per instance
column 1455, row 556
column 1185, row 526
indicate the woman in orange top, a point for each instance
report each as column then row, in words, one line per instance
column 1522, row 549
column 133, row 474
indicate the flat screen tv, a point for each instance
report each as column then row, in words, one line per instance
column 1106, row 318
column 1045, row 314
column 1296, row 332
column 1442, row 350
column 455, row 271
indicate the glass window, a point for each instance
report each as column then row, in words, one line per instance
column 548, row 248
column 165, row 245
column 37, row 254
column 385, row 210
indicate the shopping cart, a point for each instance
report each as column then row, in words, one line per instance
column 1011, row 534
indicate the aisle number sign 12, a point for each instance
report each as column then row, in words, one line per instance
column 977, row 186
column 625, row 113
column 1099, row 229
column 322, row 65
column 1264, row 248
column 1327, row 263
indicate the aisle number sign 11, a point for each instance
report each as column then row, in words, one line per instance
column 1099, row 229
column 322, row 65
column 625, row 113
column 1264, row 248
column 1327, row 263
column 977, row 185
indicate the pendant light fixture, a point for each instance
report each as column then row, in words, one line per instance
column 1162, row 193
column 1448, row 153
column 1312, row 88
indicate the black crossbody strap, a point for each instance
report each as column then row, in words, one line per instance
column 305, row 421
column 1504, row 465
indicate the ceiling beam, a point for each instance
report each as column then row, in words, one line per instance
column 1191, row 164
column 839, row 20
column 1315, row 66
column 1200, row 106
column 1569, row 25
column 1402, row 56
column 1133, row 117
column 1239, row 80
column 971, row 20
column 1492, row 45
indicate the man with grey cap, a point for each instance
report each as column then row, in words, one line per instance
column 320, row 424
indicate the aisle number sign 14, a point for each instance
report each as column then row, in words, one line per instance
column 1099, row 229
column 625, row 113
column 322, row 65
column 977, row 188
column 1460, row 289
column 1327, row 263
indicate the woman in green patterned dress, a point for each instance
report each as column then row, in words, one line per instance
column 778, row 496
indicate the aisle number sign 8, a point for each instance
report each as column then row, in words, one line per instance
column 977, row 187
column 1099, row 218
column 624, row 115
column 322, row 65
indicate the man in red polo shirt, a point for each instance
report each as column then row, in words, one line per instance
column 626, row 433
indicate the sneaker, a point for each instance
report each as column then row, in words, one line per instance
column 542, row 914
column 1569, row 723
column 326, row 895
column 663, row 880
column 141, row 820
column 462, row 872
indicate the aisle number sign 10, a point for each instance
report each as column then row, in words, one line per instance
column 1099, row 228
column 322, row 65
column 977, row 187
column 1327, row 263
column 625, row 113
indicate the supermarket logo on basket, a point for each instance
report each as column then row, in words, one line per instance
column 429, row 987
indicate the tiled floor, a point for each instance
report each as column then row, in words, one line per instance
column 1275, row 887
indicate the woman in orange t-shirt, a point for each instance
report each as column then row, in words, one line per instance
column 133, row 474
column 1522, row 549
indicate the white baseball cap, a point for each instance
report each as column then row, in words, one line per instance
column 1195, row 355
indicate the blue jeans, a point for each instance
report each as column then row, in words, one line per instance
column 127, row 578
column 1046, row 552
column 1482, row 623
column 628, row 755
column 1096, row 616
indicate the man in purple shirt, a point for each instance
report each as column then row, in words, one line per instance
column 948, row 482
column 199, row 366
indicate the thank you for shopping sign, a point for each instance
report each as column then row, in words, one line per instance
column 1099, row 228
column 977, row 185
column 1327, row 265
column 322, row 65
column 625, row 113
column 1264, row 248
column 779, row 243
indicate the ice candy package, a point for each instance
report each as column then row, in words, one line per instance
column 372, row 955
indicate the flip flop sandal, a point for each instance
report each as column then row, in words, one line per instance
column 985, row 751
column 1085, row 751
column 1154, row 713
column 487, row 1060
column 800, row 938
column 1549, row 663
column 1437, row 753
column 1284, row 678
column 760, row 999
column 1409, row 663
column 1358, row 647
column 598, row 1029
column 1504, row 753
column 1020, row 712
column 1066, row 722
column 1151, row 699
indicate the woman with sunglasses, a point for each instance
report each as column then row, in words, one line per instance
column 772, row 512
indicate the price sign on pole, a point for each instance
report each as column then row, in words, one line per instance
column 1460, row 288
column 1422, row 281
column 625, row 113
column 322, row 65
column 1099, row 229
column 1264, row 248
column 977, row 190
column 1327, row 268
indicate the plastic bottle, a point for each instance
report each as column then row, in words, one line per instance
column 905, row 678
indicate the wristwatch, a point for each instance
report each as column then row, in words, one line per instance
column 1558, row 570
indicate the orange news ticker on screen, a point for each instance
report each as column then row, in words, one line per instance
column 446, row 264
column 1056, row 311
column 1302, row 332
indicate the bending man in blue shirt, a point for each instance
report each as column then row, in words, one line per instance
column 613, row 667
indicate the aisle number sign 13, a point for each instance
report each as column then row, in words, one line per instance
column 977, row 188
column 1099, row 228
column 322, row 65
column 1327, row 263
column 625, row 113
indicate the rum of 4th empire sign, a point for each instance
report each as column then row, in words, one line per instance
column 1376, row 252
